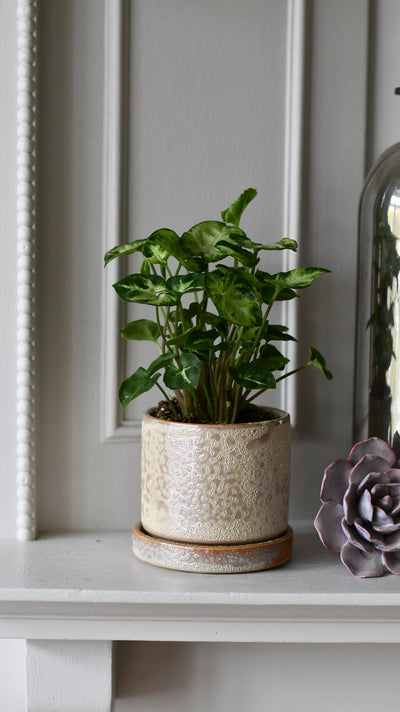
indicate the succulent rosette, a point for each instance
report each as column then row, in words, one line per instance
column 360, row 512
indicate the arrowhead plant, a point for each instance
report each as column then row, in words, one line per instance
column 212, row 317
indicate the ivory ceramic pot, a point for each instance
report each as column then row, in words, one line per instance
column 216, row 484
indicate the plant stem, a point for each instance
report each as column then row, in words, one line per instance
column 182, row 314
column 285, row 375
column 179, row 398
column 162, row 329
column 221, row 376
column 264, row 321
column 213, row 386
column 197, row 407
column 295, row 370
column 188, row 401
column 231, row 358
column 236, row 403
column 201, row 311
column 207, row 396
column 167, row 398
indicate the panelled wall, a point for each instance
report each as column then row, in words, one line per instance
column 150, row 114
column 158, row 114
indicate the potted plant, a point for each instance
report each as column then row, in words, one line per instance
column 215, row 466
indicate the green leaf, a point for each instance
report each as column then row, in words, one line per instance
column 181, row 339
column 187, row 315
column 285, row 294
column 316, row 359
column 196, row 340
column 250, row 279
column 253, row 375
column 272, row 358
column 185, row 377
column 171, row 243
column 192, row 310
column 181, row 284
column 233, row 297
column 203, row 343
column 229, row 249
column 300, row 278
column 160, row 362
column 216, row 321
column 270, row 332
column 202, row 239
column 277, row 332
column 271, row 289
column 249, row 334
column 141, row 330
column 150, row 289
column 138, row 383
column 127, row 249
column 154, row 253
column 234, row 212
column 285, row 244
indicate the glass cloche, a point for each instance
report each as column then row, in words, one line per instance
column 377, row 370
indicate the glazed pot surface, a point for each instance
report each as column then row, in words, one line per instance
column 216, row 483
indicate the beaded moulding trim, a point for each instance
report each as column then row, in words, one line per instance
column 26, row 13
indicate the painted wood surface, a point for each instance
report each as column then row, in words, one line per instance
column 168, row 677
column 69, row 676
column 91, row 587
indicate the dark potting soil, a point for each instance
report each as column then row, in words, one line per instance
column 164, row 411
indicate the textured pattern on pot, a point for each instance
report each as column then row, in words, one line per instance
column 216, row 483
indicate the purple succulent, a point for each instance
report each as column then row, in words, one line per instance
column 360, row 514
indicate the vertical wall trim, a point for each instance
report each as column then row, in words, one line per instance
column 294, row 121
column 115, row 186
column 26, row 228
column 112, row 186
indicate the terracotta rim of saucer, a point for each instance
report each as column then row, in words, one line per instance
column 211, row 558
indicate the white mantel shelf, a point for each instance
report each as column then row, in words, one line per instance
column 88, row 586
